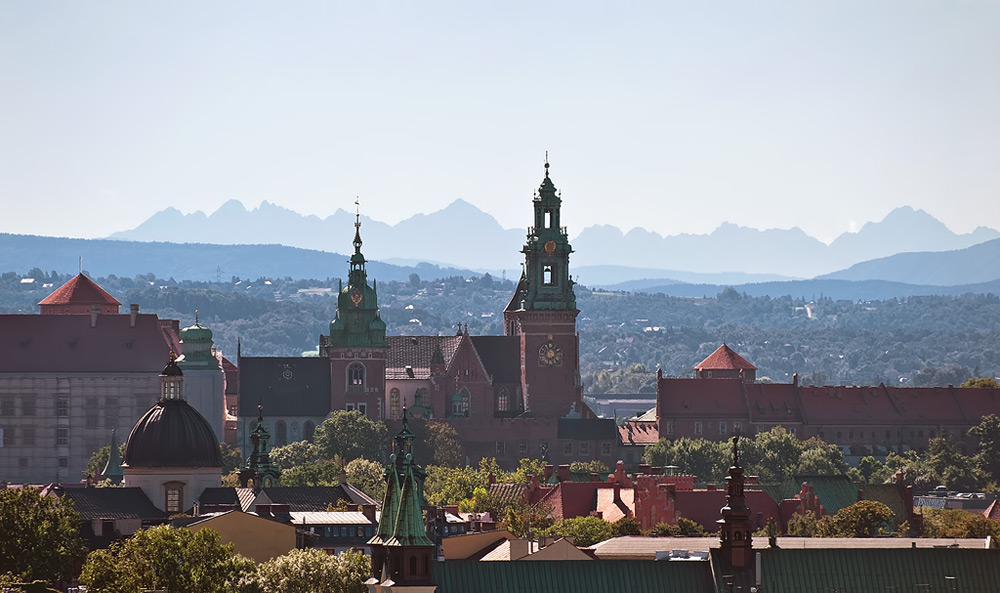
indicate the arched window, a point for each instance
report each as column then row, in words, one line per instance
column 356, row 377
column 548, row 275
column 395, row 410
column 280, row 434
column 308, row 429
column 295, row 430
column 420, row 397
column 460, row 403
column 503, row 400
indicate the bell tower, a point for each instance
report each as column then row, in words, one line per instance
column 542, row 313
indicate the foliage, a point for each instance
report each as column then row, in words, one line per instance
column 949, row 466
column 523, row 520
column 449, row 485
column 166, row 558
column 682, row 527
column 585, row 531
column 821, row 459
column 707, row 460
column 367, row 476
column 440, row 441
column 307, row 571
column 294, row 454
column 325, row 472
column 982, row 383
column 350, row 435
column 231, row 457
column 803, row 524
column 957, row 523
column 594, row 466
column 873, row 471
column 526, row 467
column 38, row 535
column 773, row 455
column 625, row 526
column 988, row 453
column 865, row 518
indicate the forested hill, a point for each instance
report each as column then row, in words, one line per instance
column 624, row 336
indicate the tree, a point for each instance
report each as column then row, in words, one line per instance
column 441, row 444
column 594, row 466
column 231, row 457
column 448, row 485
column 982, row 383
column 988, row 456
column 820, row 459
column 306, row 571
column 350, row 435
column 166, row 558
column 99, row 459
column 325, row 472
column 872, row 470
column 773, row 455
column 294, row 454
column 625, row 526
column 39, row 538
column 707, row 460
column 368, row 476
column 954, row 470
column 585, row 531
column 957, row 523
column 803, row 524
column 865, row 518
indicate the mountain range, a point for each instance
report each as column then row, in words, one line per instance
column 463, row 236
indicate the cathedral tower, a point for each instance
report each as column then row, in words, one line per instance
column 356, row 345
column 543, row 313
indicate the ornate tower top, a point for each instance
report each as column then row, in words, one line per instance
column 735, row 527
column 259, row 471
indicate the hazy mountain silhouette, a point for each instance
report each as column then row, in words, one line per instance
column 979, row 263
column 464, row 236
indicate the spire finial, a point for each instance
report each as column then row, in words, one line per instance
column 357, row 211
column 260, row 413
column 546, row 163
column 196, row 316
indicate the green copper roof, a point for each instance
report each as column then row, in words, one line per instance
column 113, row 468
column 410, row 529
column 390, row 506
column 357, row 322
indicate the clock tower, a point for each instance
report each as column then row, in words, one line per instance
column 542, row 313
column 356, row 345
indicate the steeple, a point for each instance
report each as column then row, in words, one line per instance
column 735, row 526
column 113, row 468
column 259, row 471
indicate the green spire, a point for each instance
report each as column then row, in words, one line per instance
column 409, row 529
column 357, row 322
column 390, row 506
column 402, row 521
column 113, row 468
column 259, row 471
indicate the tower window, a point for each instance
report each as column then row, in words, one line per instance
column 548, row 275
column 356, row 377
column 548, row 219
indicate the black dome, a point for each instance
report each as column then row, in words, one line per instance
column 172, row 434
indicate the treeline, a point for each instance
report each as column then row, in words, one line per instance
column 624, row 337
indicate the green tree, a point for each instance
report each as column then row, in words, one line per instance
column 803, row 524
column 325, row 472
column 820, row 459
column 99, row 459
column 38, row 535
column 683, row 527
column 295, row 454
column 957, row 523
column 594, row 466
column 865, row 518
column 368, row 476
column 982, row 383
column 231, row 457
column 350, row 435
column 988, row 454
column 307, row 571
column 872, row 470
column 441, row 444
column 954, row 470
column 773, row 455
column 166, row 558
column 585, row 531
column 707, row 460
column 625, row 526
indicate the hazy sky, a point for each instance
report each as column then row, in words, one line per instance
column 672, row 116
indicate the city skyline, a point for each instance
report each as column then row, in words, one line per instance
column 673, row 117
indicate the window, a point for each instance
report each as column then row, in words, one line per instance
column 605, row 449
column 503, row 400
column 760, row 429
column 548, row 275
column 567, row 448
column 62, row 406
column 584, row 448
column 174, row 496
column 420, row 395
column 27, row 406
column 395, row 407
column 669, row 428
column 548, row 219
column 355, row 377
column 460, row 403
column 840, row 435
column 3, row 443
column 501, row 448
column 723, row 429
column 92, row 413
column 791, row 431
column 233, row 410
column 308, row 429
column 697, row 428
column 28, row 437
column 64, row 462
column 110, row 412
column 543, row 449
column 7, row 406
column 737, row 427
column 22, row 462
column 62, row 437
column 280, row 433
column 522, row 448
column 888, row 434
column 363, row 408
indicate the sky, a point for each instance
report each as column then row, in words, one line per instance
column 671, row 116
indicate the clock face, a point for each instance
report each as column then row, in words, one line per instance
column 356, row 297
column 550, row 354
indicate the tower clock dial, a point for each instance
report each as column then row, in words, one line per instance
column 550, row 354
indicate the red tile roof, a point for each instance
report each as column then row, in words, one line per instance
column 68, row 343
column 724, row 358
column 80, row 290
column 415, row 352
column 639, row 432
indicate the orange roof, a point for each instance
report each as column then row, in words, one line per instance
column 724, row 358
column 80, row 290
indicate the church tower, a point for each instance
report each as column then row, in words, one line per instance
column 542, row 313
column 356, row 345
column 735, row 526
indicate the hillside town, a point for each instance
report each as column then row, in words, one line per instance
column 451, row 462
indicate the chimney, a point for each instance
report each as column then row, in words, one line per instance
column 644, row 469
column 562, row 473
column 518, row 548
column 795, row 379
column 263, row 510
column 133, row 312
column 342, row 477
column 95, row 310
column 547, row 472
column 368, row 510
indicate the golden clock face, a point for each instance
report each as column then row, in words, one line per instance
column 550, row 354
column 356, row 297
